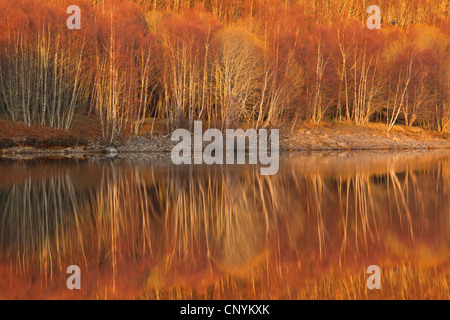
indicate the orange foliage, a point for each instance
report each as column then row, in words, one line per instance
column 312, row 59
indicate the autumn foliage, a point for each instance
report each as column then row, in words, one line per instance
column 265, row 63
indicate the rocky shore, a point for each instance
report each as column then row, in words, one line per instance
column 329, row 137
column 356, row 138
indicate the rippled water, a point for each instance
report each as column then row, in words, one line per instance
column 141, row 229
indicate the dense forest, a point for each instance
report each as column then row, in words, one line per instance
column 262, row 63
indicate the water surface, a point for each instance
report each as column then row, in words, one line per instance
column 151, row 230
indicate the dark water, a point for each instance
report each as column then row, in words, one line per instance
column 140, row 229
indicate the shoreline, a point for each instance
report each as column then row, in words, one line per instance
column 160, row 148
column 19, row 142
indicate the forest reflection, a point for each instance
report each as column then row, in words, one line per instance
column 155, row 231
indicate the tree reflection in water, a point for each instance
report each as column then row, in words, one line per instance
column 151, row 230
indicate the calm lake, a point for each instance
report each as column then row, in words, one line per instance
column 152, row 230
